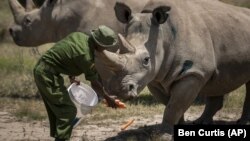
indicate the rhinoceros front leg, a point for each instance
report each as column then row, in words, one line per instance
column 213, row 104
column 182, row 94
column 158, row 92
column 161, row 95
column 245, row 117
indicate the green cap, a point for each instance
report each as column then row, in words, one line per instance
column 104, row 36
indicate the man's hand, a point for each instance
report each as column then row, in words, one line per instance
column 72, row 79
column 118, row 104
column 97, row 86
column 111, row 102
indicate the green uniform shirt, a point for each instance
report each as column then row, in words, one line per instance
column 73, row 55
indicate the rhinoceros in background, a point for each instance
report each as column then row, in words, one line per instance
column 57, row 18
column 181, row 49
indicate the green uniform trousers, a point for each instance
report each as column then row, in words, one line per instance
column 61, row 110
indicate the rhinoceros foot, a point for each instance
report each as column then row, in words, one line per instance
column 165, row 137
column 203, row 121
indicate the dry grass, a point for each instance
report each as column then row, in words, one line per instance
column 145, row 106
column 34, row 109
column 16, row 70
column 16, row 65
column 242, row 3
column 25, row 110
column 235, row 99
column 138, row 110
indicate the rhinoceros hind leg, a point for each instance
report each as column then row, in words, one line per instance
column 166, row 137
column 245, row 116
column 213, row 104
column 182, row 120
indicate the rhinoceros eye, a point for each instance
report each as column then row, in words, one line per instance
column 146, row 61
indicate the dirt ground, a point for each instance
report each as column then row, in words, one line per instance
column 106, row 130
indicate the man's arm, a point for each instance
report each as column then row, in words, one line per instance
column 97, row 86
column 72, row 79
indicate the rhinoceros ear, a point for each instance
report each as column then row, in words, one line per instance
column 50, row 3
column 160, row 14
column 122, row 12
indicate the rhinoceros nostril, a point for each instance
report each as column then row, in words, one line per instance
column 11, row 31
column 131, row 87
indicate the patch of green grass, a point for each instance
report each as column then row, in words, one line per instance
column 241, row 3
column 31, row 109
column 5, row 18
column 16, row 70
column 145, row 98
column 143, row 106
column 14, row 58
column 102, row 112
column 18, row 85
column 16, row 74
column 247, row 5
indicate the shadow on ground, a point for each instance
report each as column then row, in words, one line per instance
column 146, row 133
column 153, row 133
column 215, row 122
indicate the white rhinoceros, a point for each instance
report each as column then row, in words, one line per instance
column 181, row 49
column 57, row 18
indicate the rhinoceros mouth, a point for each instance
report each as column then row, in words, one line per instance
column 14, row 36
column 16, row 40
column 129, row 96
column 133, row 94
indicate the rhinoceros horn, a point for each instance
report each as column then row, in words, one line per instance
column 125, row 47
column 29, row 5
column 113, row 61
column 16, row 9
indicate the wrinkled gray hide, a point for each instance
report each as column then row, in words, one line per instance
column 181, row 49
